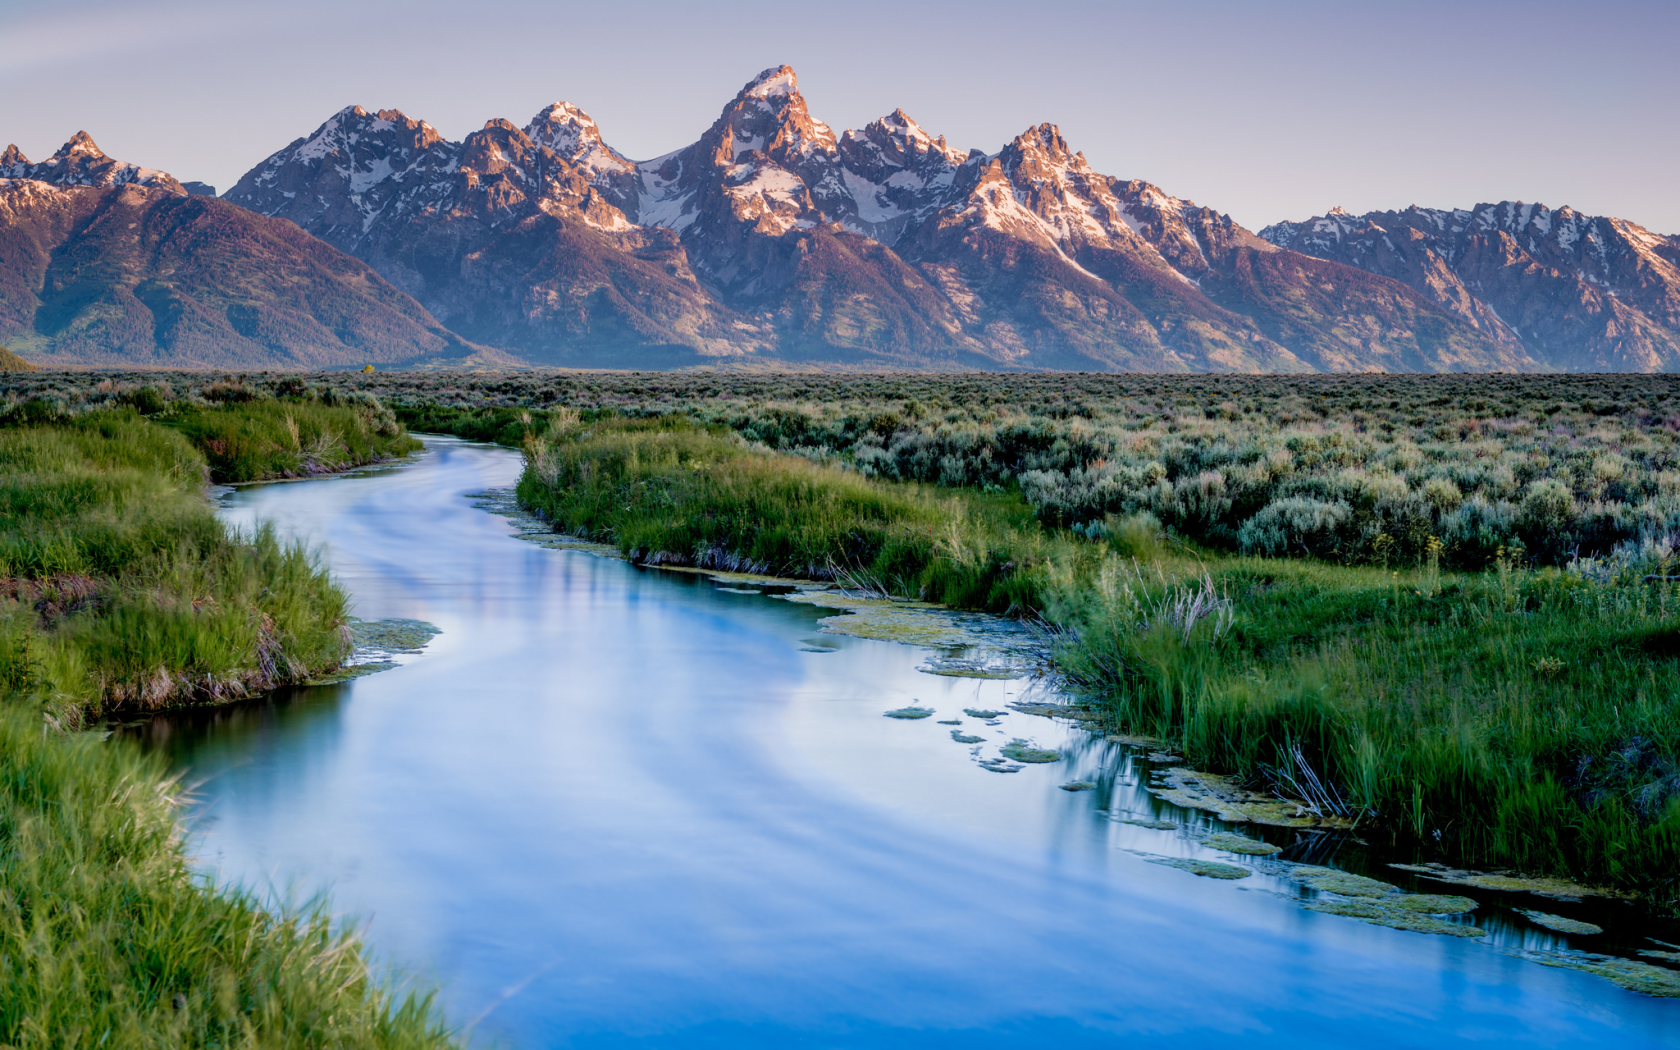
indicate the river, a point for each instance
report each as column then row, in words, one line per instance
column 614, row 807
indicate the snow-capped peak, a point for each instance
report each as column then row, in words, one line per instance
column 778, row 81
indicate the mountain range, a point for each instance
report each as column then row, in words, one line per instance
column 773, row 240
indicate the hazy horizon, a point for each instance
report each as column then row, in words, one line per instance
column 1268, row 111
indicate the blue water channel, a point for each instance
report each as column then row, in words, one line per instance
column 615, row 807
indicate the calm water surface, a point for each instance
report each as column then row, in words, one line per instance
column 612, row 807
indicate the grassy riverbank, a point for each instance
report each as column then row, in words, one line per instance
column 119, row 588
column 1519, row 716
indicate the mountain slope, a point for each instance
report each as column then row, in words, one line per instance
column 773, row 237
column 112, row 264
column 1576, row 292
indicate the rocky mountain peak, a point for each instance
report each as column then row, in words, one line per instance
column 80, row 144
column 79, row 162
column 570, row 134
column 777, row 81
column 770, row 116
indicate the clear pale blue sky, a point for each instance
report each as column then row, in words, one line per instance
column 1266, row 110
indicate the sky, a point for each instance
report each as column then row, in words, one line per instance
column 1264, row 109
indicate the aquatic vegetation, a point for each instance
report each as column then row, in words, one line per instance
column 1021, row 751
column 1631, row 974
column 1078, row 785
column 1347, row 884
column 998, row 765
column 1382, row 914
column 1433, row 904
column 949, row 722
column 1557, row 889
column 966, row 738
column 981, row 713
column 351, row 672
column 1223, row 798
column 1208, row 869
column 1560, row 924
column 1241, row 844
column 1153, row 825
column 969, row 667
column 910, row 712
column 391, row 636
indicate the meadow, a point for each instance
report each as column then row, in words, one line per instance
column 120, row 590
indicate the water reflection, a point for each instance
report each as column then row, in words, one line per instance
column 609, row 807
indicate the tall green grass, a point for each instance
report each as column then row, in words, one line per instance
column 1509, row 718
column 667, row 491
column 118, row 586
column 106, row 938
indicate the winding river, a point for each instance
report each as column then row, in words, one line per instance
column 613, row 807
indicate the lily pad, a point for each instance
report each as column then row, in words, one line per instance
column 910, row 712
column 1242, row 844
column 1206, row 868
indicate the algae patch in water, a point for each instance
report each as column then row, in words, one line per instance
column 950, row 722
column 1223, row 798
column 966, row 738
column 980, row 713
column 1345, row 883
column 916, row 623
column 1022, row 751
column 374, row 643
column 910, row 712
column 1078, row 714
column 1208, row 869
column 1241, row 844
column 1557, row 889
column 1381, row 914
column 1153, row 825
column 959, row 667
column 351, row 672
column 1434, row 903
column 391, row 636
column 1627, row 973
column 998, row 765
column 1078, row 785
column 1561, row 924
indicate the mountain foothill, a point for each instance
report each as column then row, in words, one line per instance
column 775, row 241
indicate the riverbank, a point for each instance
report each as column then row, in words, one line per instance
column 1509, row 718
column 120, row 589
